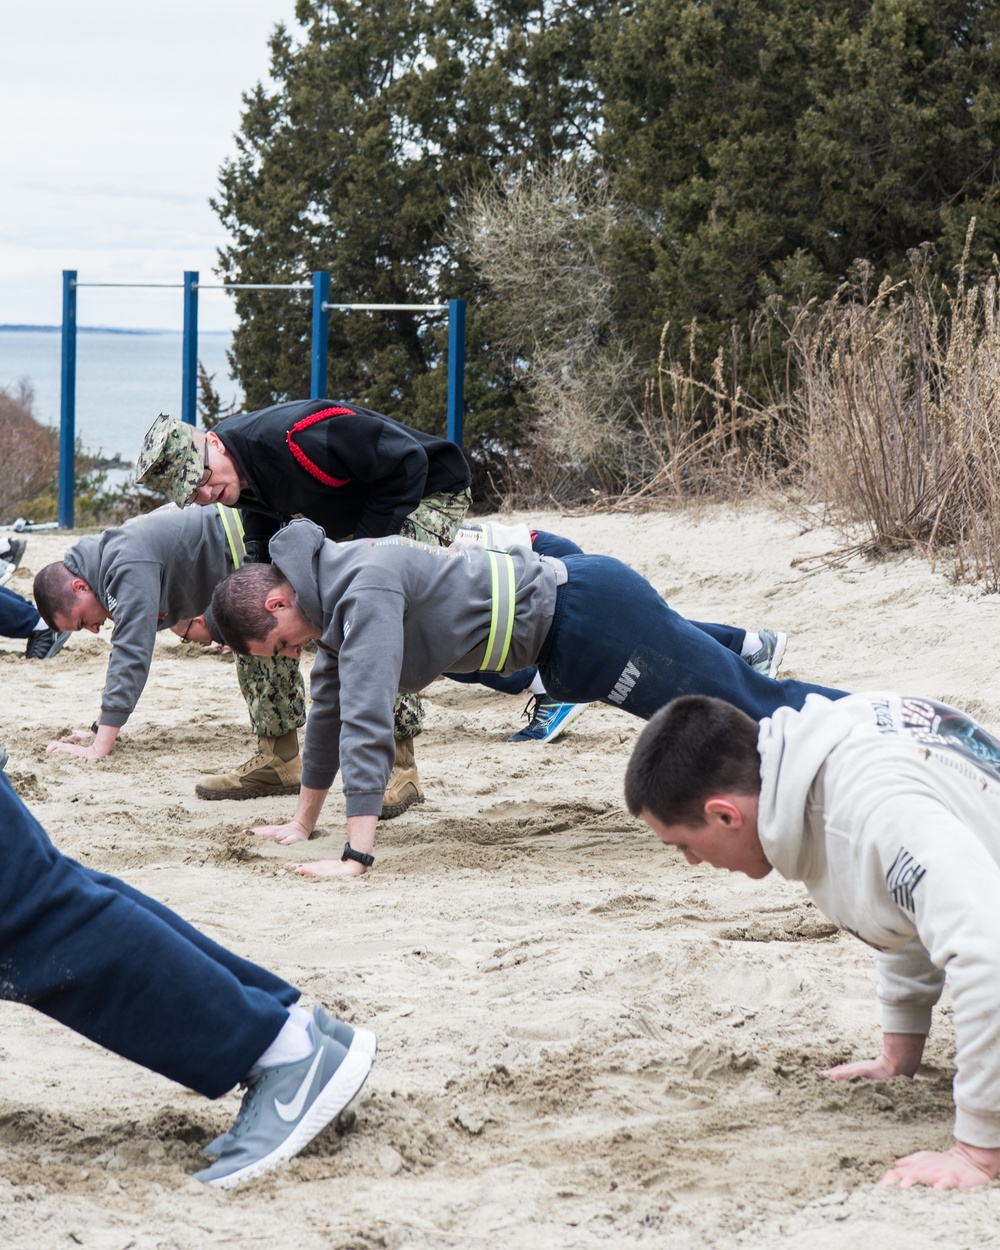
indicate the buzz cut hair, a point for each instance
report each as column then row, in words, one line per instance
column 238, row 605
column 690, row 750
column 53, row 592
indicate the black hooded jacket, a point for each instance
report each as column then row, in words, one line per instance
column 350, row 470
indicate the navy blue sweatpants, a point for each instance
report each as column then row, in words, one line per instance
column 125, row 971
column 546, row 544
column 17, row 616
column 614, row 640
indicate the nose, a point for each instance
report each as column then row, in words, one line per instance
column 691, row 857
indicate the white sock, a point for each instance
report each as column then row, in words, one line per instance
column 751, row 644
column 537, row 685
column 39, row 624
column 300, row 1016
column 292, row 1043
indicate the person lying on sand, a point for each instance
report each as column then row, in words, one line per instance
column 887, row 808
column 393, row 613
column 144, row 576
column 123, row 970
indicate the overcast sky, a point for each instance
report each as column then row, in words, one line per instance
column 116, row 117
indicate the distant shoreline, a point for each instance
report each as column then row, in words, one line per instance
column 99, row 330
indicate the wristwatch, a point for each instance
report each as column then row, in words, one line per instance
column 359, row 856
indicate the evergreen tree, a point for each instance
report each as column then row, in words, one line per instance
column 772, row 142
column 382, row 116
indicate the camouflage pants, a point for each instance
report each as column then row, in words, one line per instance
column 275, row 693
column 273, row 687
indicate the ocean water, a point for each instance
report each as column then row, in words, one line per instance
column 122, row 380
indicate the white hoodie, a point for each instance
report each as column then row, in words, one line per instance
column 887, row 807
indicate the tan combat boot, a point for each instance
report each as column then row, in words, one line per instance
column 275, row 768
column 403, row 790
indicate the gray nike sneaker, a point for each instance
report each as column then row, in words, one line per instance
column 284, row 1107
column 364, row 1039
column 768, row 659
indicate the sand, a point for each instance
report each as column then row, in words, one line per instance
column 584, row 1041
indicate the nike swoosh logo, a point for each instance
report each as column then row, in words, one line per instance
column 292, row 1110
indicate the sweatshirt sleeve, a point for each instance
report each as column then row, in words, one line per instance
column 941, row 877
column 135, row 592
column 353, row 694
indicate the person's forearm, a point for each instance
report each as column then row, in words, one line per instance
column 361, row 832
column 309, row 807
column 104, row 740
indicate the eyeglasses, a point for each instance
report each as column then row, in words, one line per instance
column 184, row 636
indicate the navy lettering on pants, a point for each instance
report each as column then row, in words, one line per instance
column 616, row 641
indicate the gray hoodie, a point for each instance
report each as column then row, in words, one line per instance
column 395, row 615
column 887, row 808
column 148, row 574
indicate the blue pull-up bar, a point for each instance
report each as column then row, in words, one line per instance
column 321, row 309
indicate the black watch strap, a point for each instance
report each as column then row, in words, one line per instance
column 360, row 856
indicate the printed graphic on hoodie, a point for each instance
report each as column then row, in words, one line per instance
column 938, row 725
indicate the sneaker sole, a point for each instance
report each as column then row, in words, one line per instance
column 257, row 792
column 338, row 1092
column 780, row 644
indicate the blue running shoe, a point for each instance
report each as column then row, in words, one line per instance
column 284, row 1107
column 547, row 719
column 768, row 659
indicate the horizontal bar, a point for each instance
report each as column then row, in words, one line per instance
column 386, row 307
column 167, row 284
column 256, row 286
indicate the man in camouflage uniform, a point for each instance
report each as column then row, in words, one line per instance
column 352, row 471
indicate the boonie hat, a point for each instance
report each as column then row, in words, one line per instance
column 169, row 460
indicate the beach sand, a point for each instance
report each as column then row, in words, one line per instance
column 583, row 1041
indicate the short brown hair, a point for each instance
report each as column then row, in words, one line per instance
column 693, row 748
column 53, row 592
column 238, row 605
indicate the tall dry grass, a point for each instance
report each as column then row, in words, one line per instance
column 898, row 397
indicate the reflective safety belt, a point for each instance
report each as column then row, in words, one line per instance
column 501, row 612
column 232, row 523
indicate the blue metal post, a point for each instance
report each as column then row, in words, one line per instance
column 456, row 370
column 189, row 381
column 67, row 408
column 321, row 334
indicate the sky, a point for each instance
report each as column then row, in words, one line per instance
column 117, row 115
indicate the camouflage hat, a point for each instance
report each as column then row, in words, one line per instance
column 170, row 461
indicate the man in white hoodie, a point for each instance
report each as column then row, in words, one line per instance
column 887, row 808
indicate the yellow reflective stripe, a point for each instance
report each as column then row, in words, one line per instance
column 501, row 612
column 232, row 524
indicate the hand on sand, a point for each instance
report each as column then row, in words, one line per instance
column 70, row 747
column 285, row 834
column 961, row 1167
column 901, row 1055
column 330, row 868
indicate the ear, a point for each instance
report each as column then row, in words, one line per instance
column 723, row 811
column 80, row 587
column 277, row 600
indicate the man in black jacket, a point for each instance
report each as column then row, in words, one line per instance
column 350, row 470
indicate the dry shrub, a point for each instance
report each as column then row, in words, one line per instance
column 541, row 242
column 29, row 466
column 701, row 438
column 901, row 403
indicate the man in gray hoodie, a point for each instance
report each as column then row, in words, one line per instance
column 145, row 575
column 392, row 613
column 887, row 808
